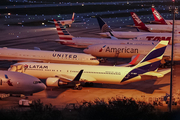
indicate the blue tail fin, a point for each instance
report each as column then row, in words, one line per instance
column 149, row 63
column 153, row 59
column 103, row 26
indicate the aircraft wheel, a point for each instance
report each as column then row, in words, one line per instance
column 91, row 84
column 79, row 87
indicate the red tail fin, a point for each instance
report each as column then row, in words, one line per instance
column 158, row 17
column 73, row 17
column 64, row 36
column 138, row 23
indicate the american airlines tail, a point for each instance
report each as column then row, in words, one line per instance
column 138, row 23
column 73, row 17
column 64, row 36
column 158, row 18
column 103, row 25
column 149, row 64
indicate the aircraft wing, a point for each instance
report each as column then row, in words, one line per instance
column 69, row 78
column 154, row 74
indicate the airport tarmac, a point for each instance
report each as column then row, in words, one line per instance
column 42, row 36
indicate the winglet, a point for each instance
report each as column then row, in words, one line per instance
column 78, row 76
column 138, row 22
column 103, row 25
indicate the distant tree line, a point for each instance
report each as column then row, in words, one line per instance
column 114, row 109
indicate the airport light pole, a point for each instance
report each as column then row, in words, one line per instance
column 172, row 51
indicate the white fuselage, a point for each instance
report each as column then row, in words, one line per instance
column 161, row 28
column 19, row 83
column 127, row 51
column 96, row 74
column 46, row 56
column 81, row 42
column 65, row 22
column 170, row 22
column 142, row 35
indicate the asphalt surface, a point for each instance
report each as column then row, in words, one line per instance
column 15, row 34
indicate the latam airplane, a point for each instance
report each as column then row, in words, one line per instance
column 160, row 20
column 152, row 27
column 57, row 74
column 135, row 35
column 67, row 22
column 19, row 83
column 65, row 38
column 129, row 51
column 46, row 56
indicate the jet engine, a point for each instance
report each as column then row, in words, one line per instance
column 54, row 82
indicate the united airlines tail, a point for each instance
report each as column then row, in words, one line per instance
column 138, row 23
column 64, row 36
column 158, row 18
column 149, row 64
column 73, row 17
column 103, row 25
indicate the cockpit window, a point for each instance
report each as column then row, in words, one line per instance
column 36, row 82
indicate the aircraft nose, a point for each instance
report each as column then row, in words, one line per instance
column 41, row 87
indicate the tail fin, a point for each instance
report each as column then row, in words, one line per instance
column 153, row 59
column 158, row 18
column 138, row 23
column 149, row 63
column 64, row 35
column 73, row 17
column 103, row 25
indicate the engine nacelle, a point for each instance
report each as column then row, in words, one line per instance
column 54, row 82
column 138, row 59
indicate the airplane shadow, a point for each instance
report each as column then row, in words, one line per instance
column 147, row 86
column 54, row 92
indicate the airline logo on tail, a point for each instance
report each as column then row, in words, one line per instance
column 103, row 26
column 64, row 35
column 158, row 16
column 136, row 18
column 149, row 63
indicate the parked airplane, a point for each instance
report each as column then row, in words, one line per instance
column 57, row 74
column 65, row 38
column 19, row 83
column 151, row 27
column 67, row 22
column 135, row 35
column 129, row 51
column 160, row 20
column 46, row 56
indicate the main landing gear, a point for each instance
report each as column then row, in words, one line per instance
column 78, row 87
